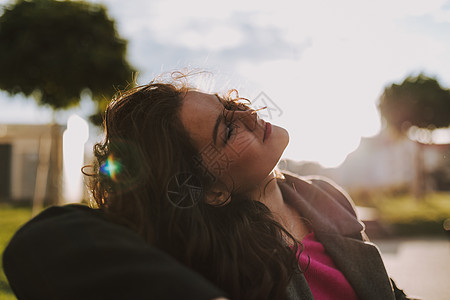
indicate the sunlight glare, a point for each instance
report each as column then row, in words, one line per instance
column 74, row 138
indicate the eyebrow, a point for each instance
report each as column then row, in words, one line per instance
column 216, row 127
column 218, row 121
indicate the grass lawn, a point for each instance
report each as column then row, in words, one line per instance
column 11, row 218
column 409, row 216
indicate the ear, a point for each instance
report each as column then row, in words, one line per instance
column 217, row 197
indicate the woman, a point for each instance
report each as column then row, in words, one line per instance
column 194, row 175
column 161, row 136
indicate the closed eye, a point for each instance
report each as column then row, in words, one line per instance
column 231, row 126
column 229, row 131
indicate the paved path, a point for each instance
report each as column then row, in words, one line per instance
column 420, row 266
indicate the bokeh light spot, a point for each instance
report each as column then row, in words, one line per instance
column 111, row 167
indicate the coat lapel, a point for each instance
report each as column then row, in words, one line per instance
column 336, row 226
column 298, row 288
column 327, row 208
column 361, row 264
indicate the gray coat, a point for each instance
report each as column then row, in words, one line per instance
column 336, row 225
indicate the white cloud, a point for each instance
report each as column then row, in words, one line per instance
column 329, row 93
column 343, row 53
column 323, row 107
column 216, row 37
column 442, row 15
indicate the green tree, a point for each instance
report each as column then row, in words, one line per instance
column 419, row 102
column 54, row 50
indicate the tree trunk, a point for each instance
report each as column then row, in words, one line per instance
column 419, row 176
column 40, row 187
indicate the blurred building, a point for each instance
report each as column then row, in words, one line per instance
column 379, row 161
column 31, row 163
column 384, row 161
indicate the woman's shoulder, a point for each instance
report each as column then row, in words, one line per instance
column 75, row 228
column 99, row 259
column 63, row 212
column 70, row 219
column 323, row 202
column 310, row 185
column 307, row 179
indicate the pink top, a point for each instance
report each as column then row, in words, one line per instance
column 323, row 277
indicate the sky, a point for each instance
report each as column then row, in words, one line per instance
column 319, row 66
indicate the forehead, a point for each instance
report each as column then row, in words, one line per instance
column 194, row 101
column 199, row 112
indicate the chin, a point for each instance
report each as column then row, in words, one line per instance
column 287, row 137
column 279, row 144
column 283, row 136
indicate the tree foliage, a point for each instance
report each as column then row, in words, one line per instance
column 418, row 101
column 54, row 50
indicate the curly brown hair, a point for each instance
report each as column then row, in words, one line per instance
column 238, row 246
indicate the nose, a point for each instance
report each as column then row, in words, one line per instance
column 249, row 118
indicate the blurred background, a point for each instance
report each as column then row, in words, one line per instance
column 361, row 86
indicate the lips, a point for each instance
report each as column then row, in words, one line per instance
column 267, row 130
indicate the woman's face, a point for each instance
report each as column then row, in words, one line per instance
column 236, row 147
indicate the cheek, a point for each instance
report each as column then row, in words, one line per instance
column 246, row 150
column 251, row 166
column 236, row 165
column 246, row 161
column 243, row 143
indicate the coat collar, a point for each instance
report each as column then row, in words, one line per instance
column 337, row 227
column 323, row 204
column 361, row 264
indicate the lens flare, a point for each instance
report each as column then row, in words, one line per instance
column 111, row 167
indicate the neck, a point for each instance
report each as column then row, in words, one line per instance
column 269, row 193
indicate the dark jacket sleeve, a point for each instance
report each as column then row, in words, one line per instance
column 72, row 252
